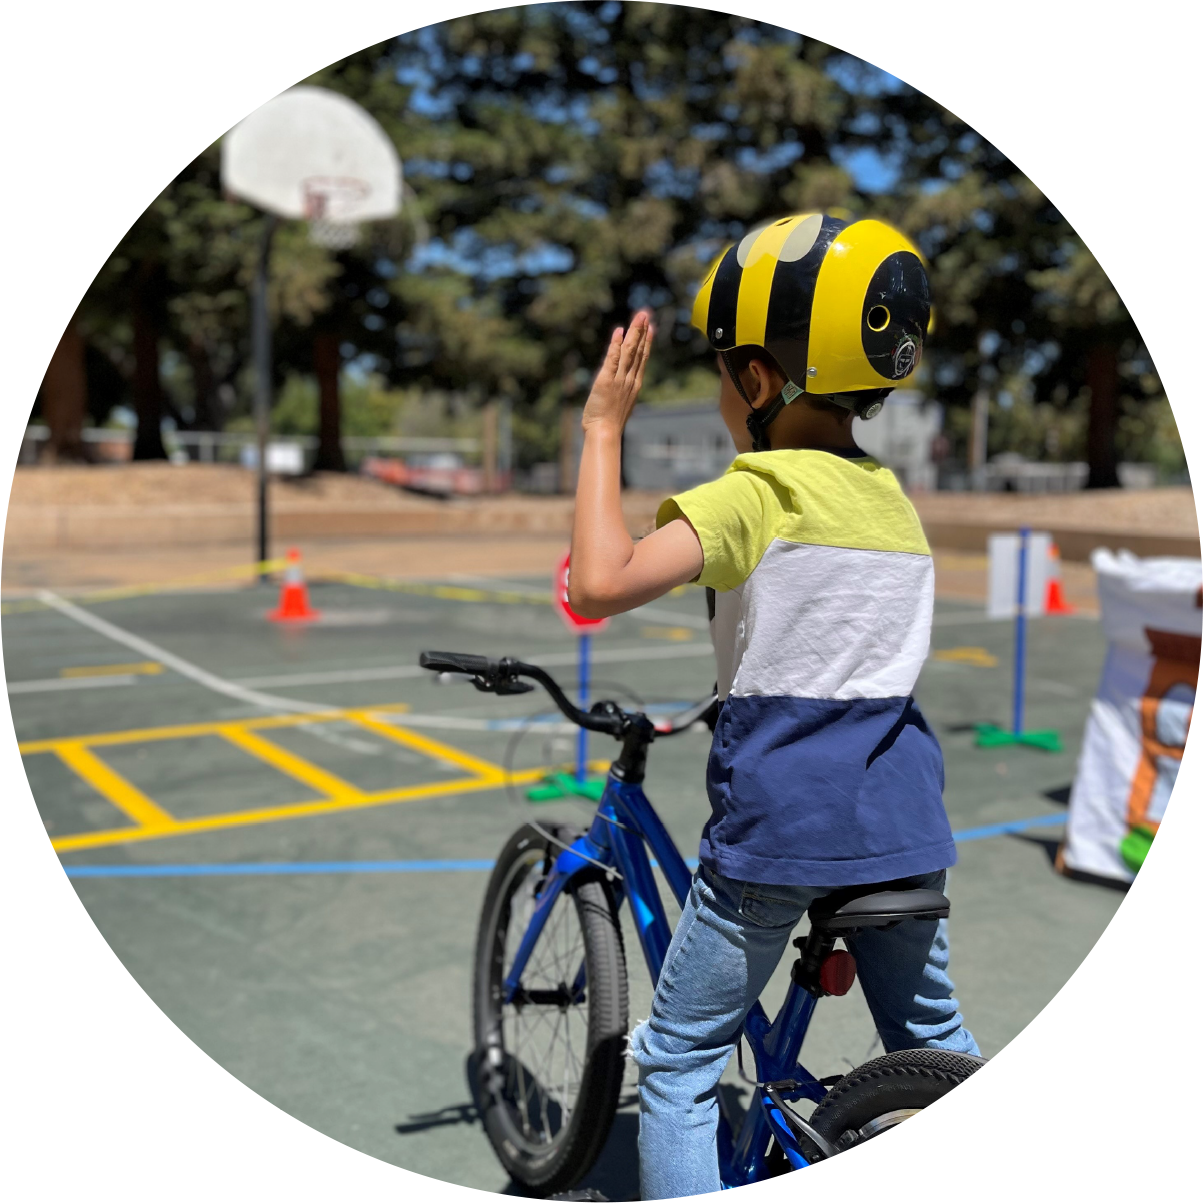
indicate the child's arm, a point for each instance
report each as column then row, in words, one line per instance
column 610, row 573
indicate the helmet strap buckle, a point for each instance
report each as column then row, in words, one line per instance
column 759, row 421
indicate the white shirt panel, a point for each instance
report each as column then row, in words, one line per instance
column 827, row 622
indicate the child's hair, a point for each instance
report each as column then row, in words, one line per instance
column 738, row 359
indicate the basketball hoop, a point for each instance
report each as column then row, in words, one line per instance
column 330, row 203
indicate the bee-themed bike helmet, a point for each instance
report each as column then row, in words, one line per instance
column 843, row 307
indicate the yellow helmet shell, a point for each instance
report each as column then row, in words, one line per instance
column 842, row 306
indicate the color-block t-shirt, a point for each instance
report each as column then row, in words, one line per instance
column 823, row 772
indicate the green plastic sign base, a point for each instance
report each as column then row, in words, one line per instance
column 566, row 785
column 1134, row 847
column 990, row 736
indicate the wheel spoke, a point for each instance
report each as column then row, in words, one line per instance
column 542, row 1032
column 546, row 1067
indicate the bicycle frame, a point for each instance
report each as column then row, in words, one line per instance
column 623, row 824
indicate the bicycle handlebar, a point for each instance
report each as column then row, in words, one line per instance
column 504, row 677
column 457, row 662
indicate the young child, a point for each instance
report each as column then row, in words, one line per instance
column 822, row 773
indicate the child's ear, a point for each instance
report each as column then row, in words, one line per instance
column 766, row 382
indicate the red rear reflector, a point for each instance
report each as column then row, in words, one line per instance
column 837, row 972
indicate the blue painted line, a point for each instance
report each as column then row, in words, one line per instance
column 297, row 868
column 281, row 868
column 985, row 833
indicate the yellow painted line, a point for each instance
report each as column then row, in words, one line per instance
column 25, row 606
column 90, row 597
column 446, row 592
column 417, row 588
column 144, row 668
column 106, row 781
column 675, row 634
column 423, row 743
column 107, row 739
column 976, row 656
column 294, row 766
column 416, row 793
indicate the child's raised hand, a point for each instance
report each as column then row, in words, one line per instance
column 617, row 384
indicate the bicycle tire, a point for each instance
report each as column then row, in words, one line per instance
column 546, row 1138
column 883, row 1092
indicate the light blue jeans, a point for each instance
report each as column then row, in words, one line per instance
column 729, row 940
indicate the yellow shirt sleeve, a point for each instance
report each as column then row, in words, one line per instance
column 735, row 517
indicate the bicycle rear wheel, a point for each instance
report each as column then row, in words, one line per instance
column 883, row 1092
column 550, row 1064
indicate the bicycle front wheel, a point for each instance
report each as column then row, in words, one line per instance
column 549, row 1063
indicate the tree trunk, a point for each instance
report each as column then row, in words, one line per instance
column 979, row 438
column 570, row 420
column 65, row 400
column 1102, row 375
column 326, row 366
column 488, row 439
column 209, row 413
column 148, row 389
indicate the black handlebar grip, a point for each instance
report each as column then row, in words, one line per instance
column 457, row 662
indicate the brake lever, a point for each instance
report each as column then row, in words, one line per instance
column 501, row 685
column 513, row 685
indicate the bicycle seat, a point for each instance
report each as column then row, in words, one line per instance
column 844, row 912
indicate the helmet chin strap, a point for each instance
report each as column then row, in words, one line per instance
column 759, row 420
column 864, row 405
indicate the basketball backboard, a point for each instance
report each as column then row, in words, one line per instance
column 313, row 154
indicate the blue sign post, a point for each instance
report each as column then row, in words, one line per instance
column 582, row 736
column 1021, row 635
column 989, row 735
column 577, row 782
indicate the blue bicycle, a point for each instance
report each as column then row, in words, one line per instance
column 550, row 986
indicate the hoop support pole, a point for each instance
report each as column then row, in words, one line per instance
column 261, row 342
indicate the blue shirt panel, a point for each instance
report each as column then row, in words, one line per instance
column 811, row 792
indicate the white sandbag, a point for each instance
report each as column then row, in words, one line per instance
column 1152, row 615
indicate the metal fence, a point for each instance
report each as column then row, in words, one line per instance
column 228, row 446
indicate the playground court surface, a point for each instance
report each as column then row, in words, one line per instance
column 284, row 833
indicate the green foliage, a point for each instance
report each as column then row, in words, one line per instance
column 1149, row 435
column 296, row 408
column 568, row 162
column 370, row 408
column 699, row 384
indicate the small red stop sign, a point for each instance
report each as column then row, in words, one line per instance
column 559, row 598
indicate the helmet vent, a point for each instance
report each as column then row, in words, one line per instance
column 878, row 318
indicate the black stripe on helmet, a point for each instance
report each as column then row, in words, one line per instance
column 724, row 302
column 787, row 331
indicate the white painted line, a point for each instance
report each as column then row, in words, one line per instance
column 52, row 684
column 400, row 672
column 335, row 677
column 630, row 655
column 1059, row 688
column 185, row 668
column 958, row 618
column 548, row 723
column 698, row 622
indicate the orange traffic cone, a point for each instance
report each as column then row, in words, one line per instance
column 1054, row 597
column 294, row 596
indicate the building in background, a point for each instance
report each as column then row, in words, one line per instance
column 668, row 449
column 902, row 437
